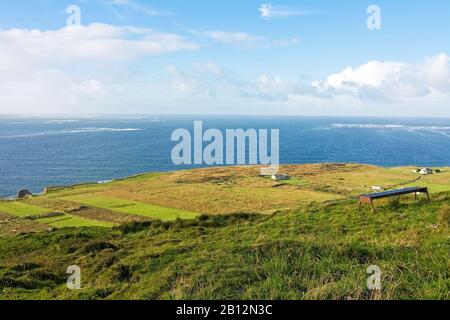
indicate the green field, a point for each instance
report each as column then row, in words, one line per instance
column 70, row 221
column 316, row 252
column 133, row 207
column 228, row 233
column 20, row 209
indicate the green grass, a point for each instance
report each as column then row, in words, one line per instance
column 295, row 182
column 241, row 189
column 309, row 250
column 132, row 207
column 20, row 209
column 71, row 221
column 432, row 187
column 314, row 252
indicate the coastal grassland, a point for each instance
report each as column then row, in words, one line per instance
column 257, row 238
column 78, row 209
column 230, row 190
column 21, row 217
column 316, row 251
column 225, row 190
column 21, row 209
column 72, row 221
column 132, row 207
column 12, row 225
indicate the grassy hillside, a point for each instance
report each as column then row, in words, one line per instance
column 265, row 241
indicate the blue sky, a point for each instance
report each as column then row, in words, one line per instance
column 223, row 57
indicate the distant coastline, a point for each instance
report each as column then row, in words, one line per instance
column 35, row 153
column 104, row 182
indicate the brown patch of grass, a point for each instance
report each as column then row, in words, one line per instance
column 11, row 226
column 4, row 216
column 53, row 203
column 226, row 190
column 106, row 215
column 444, row 215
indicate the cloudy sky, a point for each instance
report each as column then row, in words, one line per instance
column 225, row 57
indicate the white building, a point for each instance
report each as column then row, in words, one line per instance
column 426, row 171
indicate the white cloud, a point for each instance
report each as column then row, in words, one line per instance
column 96, row 42
column 268, row 11
column 47, row 91
column 272, row 88
column 209, row 80
column 39, row 69
column 136, row 6
column 245, row 40
column 209, row 68
column 181, row 82
column 240, row 39
column 90, row 87
column 390, row 80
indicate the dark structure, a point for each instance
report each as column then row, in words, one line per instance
column 23, row 194
column 368, row 198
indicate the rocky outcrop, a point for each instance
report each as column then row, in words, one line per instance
column 23, row 194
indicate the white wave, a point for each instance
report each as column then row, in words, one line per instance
column 76, row 130
column 82, row 130
column 391, row 126
column 105, row 181
column 62, row 121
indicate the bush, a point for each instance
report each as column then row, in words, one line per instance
column 97, row 247
column 122, row 273
column 46, row 276
column 17, row 284
column 134, row 227
column 25, row 267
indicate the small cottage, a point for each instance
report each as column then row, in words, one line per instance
column 426, row 171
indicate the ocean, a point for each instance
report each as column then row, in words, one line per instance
column 35, row 153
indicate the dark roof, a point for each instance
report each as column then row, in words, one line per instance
column 390, row 193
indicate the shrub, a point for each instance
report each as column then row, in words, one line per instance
column 134, row 227
column 122, row 273
column 97, row 247
column 25, row 267
column 17, row 284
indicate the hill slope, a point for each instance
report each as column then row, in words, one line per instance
column 318, row 252
column 313, row 250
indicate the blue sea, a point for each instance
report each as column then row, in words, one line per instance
column 35, row 153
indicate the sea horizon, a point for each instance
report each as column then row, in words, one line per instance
column 39, row 152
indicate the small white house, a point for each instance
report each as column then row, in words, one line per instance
column 377, row 188
column 280, row 176
column 426, row 171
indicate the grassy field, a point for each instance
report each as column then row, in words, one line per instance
column 188, row 194
column 132, row 207
column 21, row 209
column 69, row 221
column 239, row 236
column 316, row 252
